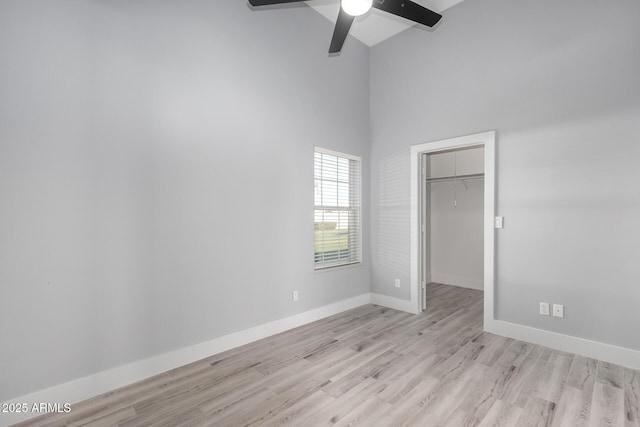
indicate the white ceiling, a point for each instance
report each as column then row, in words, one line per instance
column 376, row 26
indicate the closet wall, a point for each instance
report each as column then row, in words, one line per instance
column 455, row 255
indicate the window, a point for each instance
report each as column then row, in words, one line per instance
column 337, row 208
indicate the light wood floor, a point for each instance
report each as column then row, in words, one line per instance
column 374, row 366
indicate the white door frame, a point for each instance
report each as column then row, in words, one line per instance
column 487, row 140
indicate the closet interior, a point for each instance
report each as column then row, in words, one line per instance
column 453, row 215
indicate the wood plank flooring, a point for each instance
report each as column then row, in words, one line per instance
column 373, row 366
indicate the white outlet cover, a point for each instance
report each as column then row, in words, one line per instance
column 544, row 308
column 558, row 310
column 397, row 283
column 296, row 295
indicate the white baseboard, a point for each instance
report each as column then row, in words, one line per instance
column 392, row 302
column 594, row 349
column 102, row 382
column 463, row 282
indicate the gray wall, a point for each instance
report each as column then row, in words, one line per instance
column 156, row 176
column 559, row 82
column 456, row 255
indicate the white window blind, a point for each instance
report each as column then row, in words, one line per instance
column 337, row 209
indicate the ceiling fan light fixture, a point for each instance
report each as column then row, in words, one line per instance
column 350, row 9
column 356, row 7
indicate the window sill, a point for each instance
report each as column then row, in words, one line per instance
column 339, row 266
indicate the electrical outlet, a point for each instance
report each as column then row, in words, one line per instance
column 397, row 283
column 296, row 295
column 558, row 310
column 499, row 222
column 544, row 308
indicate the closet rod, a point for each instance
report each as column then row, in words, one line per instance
column 456, row 178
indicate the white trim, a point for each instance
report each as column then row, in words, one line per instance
column 486, row 139
column 395, row 303
column 594, row 349
column 337, row 153
column 102, row 382
column 464, row 282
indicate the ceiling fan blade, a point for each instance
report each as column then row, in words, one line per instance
column 268, row 2
column 409, row 10
column 341, row 31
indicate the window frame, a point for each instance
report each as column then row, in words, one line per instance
column 357, row 196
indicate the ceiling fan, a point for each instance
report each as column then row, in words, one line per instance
column 349, row 9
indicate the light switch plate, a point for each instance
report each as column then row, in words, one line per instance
column 499, row 222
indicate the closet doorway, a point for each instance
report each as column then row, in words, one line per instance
column 453, row 192
column 452, row 217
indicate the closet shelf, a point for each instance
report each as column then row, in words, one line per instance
column 455, row 177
